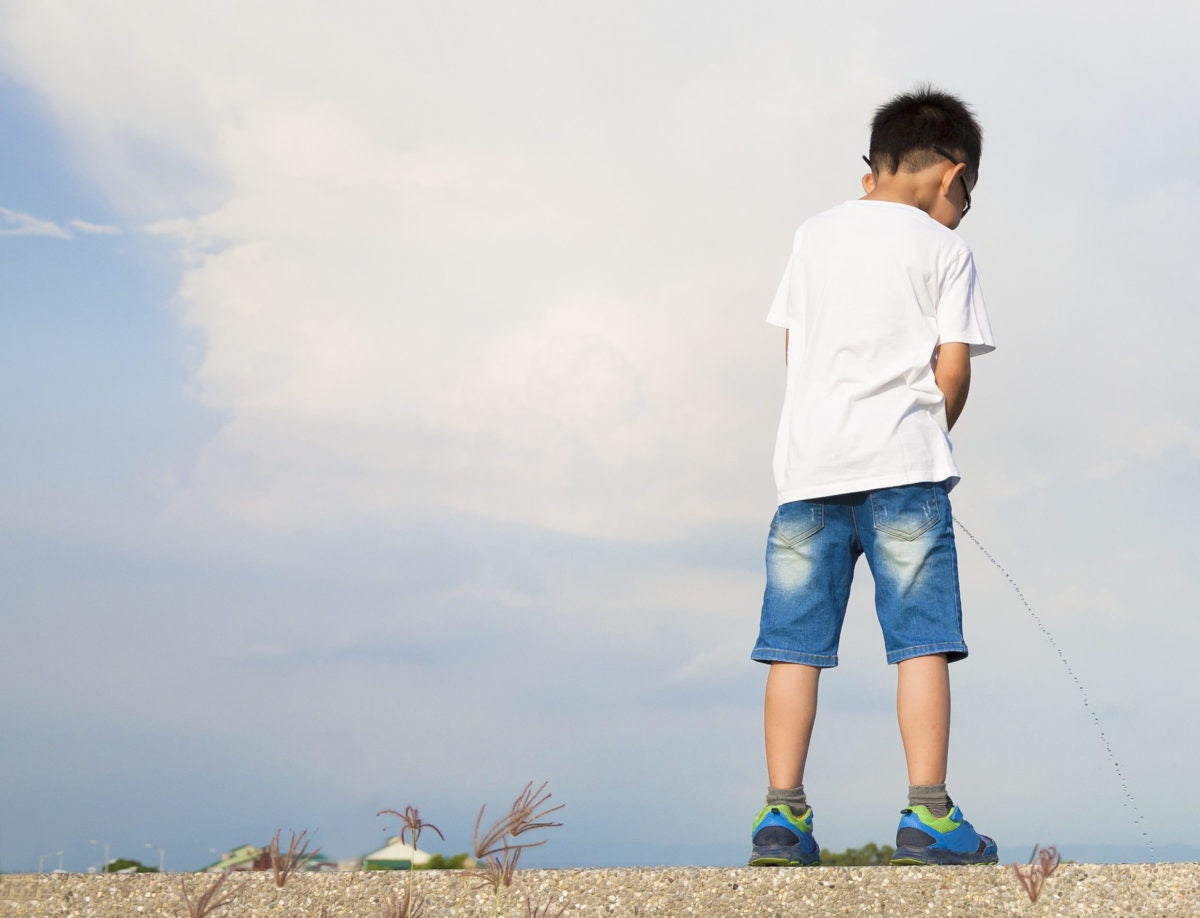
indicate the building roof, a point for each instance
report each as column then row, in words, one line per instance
column 236, row 857
column 396, row 853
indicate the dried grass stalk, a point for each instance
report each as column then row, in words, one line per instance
column 410, row 905
column 207, row 903
column 297, row 856
column 1033, row 876
column 412, row 825
column 543, row 911
column 496, row 847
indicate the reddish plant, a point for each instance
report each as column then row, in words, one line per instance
column 1033, row 876
column 412, row 825
column 207, row 902
column 284, row 864
column 497, row 847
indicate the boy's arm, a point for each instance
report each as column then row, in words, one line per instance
column 953, row 376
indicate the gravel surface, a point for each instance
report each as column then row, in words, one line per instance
column 1074, row 889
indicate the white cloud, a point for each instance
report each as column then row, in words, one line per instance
column 15, row 223
column 98, row 229
column 442, row 320
column 535, row 293
column 1156, row 438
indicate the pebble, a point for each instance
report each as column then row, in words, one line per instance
column 888, row 892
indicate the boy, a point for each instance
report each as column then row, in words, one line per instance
column 883, row 312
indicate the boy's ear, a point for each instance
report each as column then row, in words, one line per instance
column 868, row 182
column 950, row 176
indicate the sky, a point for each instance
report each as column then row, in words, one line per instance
column 388, row 405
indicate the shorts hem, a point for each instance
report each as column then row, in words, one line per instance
column 954, row 651
column 772, row 655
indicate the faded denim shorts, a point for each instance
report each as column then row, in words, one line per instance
column 907, row 534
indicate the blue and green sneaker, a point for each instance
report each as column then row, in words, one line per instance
column 782, row 840
column 923, row 838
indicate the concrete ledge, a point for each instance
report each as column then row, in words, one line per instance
column 1074, row 889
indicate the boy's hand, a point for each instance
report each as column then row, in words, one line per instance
column 953, row 376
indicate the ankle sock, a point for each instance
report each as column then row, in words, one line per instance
column 933, row 796
column 792, row 797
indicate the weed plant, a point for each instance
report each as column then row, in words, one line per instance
column 543, row 911
column 411, row 824
column 207, row 902
column 405, row 906
column 297, row 856
column 1033, row 876
column 498, row 849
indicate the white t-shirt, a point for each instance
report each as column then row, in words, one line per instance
column 871, row 290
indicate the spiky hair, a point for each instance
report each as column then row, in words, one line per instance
column 905, row 131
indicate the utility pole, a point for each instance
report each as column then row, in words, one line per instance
column 104, row 866
column 162, row 856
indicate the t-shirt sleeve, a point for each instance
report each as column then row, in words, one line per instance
column 778, row 314
column 961, row 314
column 783, row 311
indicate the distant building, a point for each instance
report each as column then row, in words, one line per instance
column 240, row 858
column 395, row 855
column 252, row 857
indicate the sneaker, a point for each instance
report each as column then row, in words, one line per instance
column 924, row 839
column 782, row 840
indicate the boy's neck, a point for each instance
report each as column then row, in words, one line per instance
column 926, row 190
column 898, row 188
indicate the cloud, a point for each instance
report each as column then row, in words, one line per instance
column 98, row 229
column 1154, row 439
column 534, row 295
column 394, row 315
column 15, row 223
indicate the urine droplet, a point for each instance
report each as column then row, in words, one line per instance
column 1138, row 819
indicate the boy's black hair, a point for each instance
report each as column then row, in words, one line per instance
column 905, row 131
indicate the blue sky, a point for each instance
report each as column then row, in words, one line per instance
column 388, row 408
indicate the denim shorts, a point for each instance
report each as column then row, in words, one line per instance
column 907, row 534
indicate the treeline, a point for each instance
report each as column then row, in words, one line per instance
column 869, row 855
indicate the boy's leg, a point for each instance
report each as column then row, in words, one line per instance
column 810, row 562
column 908, row 537
column 783, row 830
column 789, row 711
column 923, row 710
column 782, row 834
column 932, row 830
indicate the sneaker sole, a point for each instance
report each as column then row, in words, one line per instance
column 939, row 857
column 782, row 858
